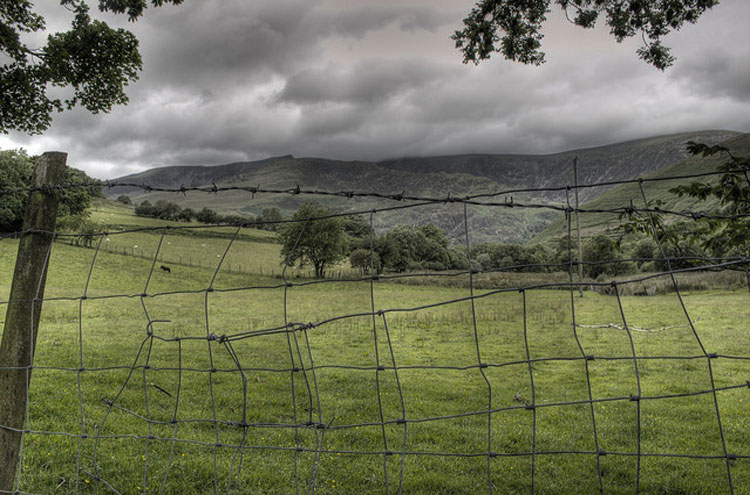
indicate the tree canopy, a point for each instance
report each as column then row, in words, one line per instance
column 16, row 170
column 409, row 248
column 314, row 237
column 732, row 190
column 514, row 27
column 91, row 62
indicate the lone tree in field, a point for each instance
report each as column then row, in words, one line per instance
column 321, row 243
column 520, row 23
column 91, row 60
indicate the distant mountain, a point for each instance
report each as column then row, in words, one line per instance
column 592, row 223
column 423, row 176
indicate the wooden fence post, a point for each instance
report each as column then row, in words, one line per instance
column 24, row 310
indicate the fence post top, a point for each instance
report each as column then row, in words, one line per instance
column 50, row 168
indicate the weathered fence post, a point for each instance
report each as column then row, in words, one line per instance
column 24, row 309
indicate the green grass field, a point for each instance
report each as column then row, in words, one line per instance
column 252, row 251
column 129, row 395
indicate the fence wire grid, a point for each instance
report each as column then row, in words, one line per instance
column 382, row 383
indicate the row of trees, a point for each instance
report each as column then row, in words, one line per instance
column 167, row 210
column 322, row 239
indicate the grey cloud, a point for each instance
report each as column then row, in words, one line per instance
column 356, row 22
column 327, row 123
column 215, row 43
column 716, row 75
column 366, row 82
column 714, row 56
column 204, row 45
column 173, row 136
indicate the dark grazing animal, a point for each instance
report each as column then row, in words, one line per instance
column 166, row 269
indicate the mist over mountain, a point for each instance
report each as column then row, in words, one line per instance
column 424, row 176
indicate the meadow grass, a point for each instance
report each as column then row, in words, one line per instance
column 115, row 216
column 252, row 251
column 129, row 395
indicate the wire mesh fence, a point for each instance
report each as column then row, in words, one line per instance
column 202, row 379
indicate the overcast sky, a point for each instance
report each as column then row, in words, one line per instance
column 235, row 80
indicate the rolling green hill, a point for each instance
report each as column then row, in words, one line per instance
column 426, row 176
column 621, row 196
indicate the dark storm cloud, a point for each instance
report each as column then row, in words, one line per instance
column 213, row 43
column 364, row 79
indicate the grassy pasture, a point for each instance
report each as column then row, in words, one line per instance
column 116, row 216
column 252, row 251
column 161, row 405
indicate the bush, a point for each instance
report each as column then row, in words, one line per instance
column 145, row 209
column 406, row 248
column 503, row 256
column 603, row 251
column 207, row 215
column 679, row 250
column 360, row 259
column 645, row 251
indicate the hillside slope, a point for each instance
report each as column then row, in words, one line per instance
column 621, row 196
column 429, row 176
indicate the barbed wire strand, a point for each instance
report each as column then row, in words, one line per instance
column 92, row 186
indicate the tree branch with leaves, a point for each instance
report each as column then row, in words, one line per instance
column 732, row 191
column 514, row 27
column 725, row 233
column 91, row 61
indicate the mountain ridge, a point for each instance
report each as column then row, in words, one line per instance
column 438, row 176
